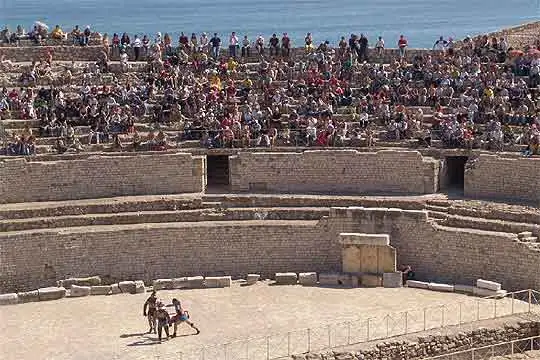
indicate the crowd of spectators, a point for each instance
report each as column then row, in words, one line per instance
column 480, row 94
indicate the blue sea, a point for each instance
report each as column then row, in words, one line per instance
column 422, row 21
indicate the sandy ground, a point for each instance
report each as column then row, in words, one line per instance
column 273, row 317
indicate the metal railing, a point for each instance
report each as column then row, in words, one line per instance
column 335, row 335
column 490, row 351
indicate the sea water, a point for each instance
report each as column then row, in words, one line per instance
column 421, row 21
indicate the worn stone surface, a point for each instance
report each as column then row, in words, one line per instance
column 51, row 293
column 489, row 285
column 101, row 290
column 163, row 284
column 440, row 287
column 288, row 278
column 9, row 299
column 217, row 281
column 28, row 296
column 128, row 287
column 307, row 278
column 335, row 171
column 252, row 279
column 78, row 291
column 101, row 176
column 393, row 280
column 88, row 281
column 495, row 177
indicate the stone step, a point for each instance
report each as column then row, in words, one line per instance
column 276, row 200
column 139, row 217
column 529, row 239
column 532, row 217
column 439, row 215
column 489, row 224
column 100, row 206
column 443, row 209
column 524, row 234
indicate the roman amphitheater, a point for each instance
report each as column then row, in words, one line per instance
column 282, row 252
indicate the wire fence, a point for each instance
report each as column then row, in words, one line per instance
column 490, row 351
column 324, row 337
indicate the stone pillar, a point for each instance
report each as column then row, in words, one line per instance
column 367, row 253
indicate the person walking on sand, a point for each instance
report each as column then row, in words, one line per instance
column 163, row 320
column 181, row 316
column 151, row 305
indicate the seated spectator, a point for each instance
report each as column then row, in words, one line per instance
column 57, row 33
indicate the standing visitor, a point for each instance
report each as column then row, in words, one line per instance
column 285, row 45
column 233, row 45
column 440, row 45
column 86, row 35
column 308, row 40
column 149, row 310
column 402, row 45
column 274, row 45
column 145, row 45
column 259, row 45
column 245, row 47
column 215, row 42
column 379, row 46
column 203, row 41
column 181, row 316
column 363, row 48
column 76, row 35
column 137, row 44
column 163, row 320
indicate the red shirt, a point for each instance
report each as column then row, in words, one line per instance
column 402, row 43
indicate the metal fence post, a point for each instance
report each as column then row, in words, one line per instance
column 513, row 303
column 348, row 333
column 247, row 350
column 459, row 314
column 329, row 337
column 530, row 299
column 289, row 343
column 268, row 348
column 225, row 350
column 406, row 322
column 425, row 319
column 203, row 351
column 367, row 330
column 472, row 354
column 512, row 347
column 387, row 325
column 477, row 310
column 495, row 307
column 309, row 340
column 442, row 316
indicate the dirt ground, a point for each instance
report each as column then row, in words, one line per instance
column 274, row 318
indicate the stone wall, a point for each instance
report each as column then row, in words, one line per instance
column 92, row 53
column 495, row 177
column 446, row 254
column 434, row 345
column 335, row 171
column 100, row 176
column 152, row 251
column 65, row 53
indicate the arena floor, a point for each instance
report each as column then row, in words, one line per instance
column 113, row 327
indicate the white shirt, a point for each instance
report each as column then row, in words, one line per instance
column 380, row 44
column 137, row 43
column 233, row 41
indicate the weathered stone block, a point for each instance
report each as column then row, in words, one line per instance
column 180, row 283
column 139, row 287
column 441, row 287
column 369, row 280
column 78, row 291
column 253, row 278
column 127, row 287
column 286, row 278
column 307, row 278
column 51, row 293
column 115, row 289
column 489, row 285
column 466, row 289
column 9, row 299
column 162, row 284
column 334, row 279
column 101, row 290
column 393, row 280
column 489, row 293
column 28, row 296
column 195, row 282
column 87, row 281
column 217, row 281
column 417, row 284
